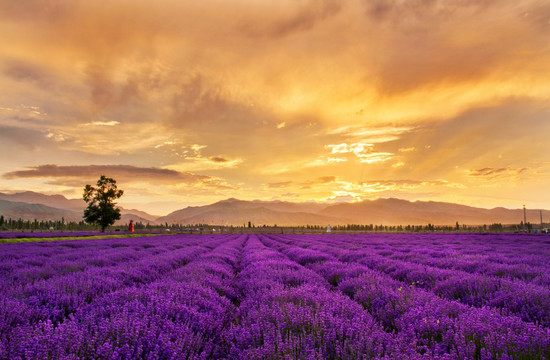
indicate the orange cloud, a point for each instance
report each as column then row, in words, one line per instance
column 492, row 173
column 251, row 92
column 125, row 173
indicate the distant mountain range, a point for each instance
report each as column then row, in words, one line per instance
column 239, row 212
column 380, row 211
column 30, row 205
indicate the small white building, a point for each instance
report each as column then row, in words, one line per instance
column 329, row 229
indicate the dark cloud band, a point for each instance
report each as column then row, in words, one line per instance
column 126, row 173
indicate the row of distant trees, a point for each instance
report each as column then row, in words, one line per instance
column 42, row 225
column 496, row 227
column 7, row 224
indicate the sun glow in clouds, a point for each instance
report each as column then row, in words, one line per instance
column 365, row 152
column 102, row 123
column 275, row 99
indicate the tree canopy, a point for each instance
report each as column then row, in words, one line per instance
column 101, row 208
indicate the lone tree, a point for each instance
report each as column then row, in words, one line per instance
column 101, row 206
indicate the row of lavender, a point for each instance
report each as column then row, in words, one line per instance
column 407, row 299
column 514, row 277
column 287, row 311
column 243, row 297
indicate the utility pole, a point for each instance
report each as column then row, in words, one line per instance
column 524, row 218
column 541, row 221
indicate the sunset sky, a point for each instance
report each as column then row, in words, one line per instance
column 191, row 102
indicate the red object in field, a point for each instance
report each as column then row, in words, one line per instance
column 131, row 226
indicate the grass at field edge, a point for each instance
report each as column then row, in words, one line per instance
column 62, row 238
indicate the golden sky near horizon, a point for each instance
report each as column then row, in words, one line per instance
column 191, row 102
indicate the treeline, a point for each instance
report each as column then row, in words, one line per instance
column 9, row 224
column 42, row 225
column 253, row 228
column 497, row 227
column 61, row 225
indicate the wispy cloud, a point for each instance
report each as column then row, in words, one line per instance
column 365, row 152
column 195, row 160
column 495, row 173
column 385, row 185
column 218, row 159
column 335, row 160
column 278, row 185
column 372, row 134
column 407, row 149
column 102, row 123
column 322, row 180
column 56, row 137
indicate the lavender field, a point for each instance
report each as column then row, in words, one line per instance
column 339, row 296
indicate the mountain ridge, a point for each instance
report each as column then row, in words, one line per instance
column 391, row 211
column 33, row 205
column 232, row 211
